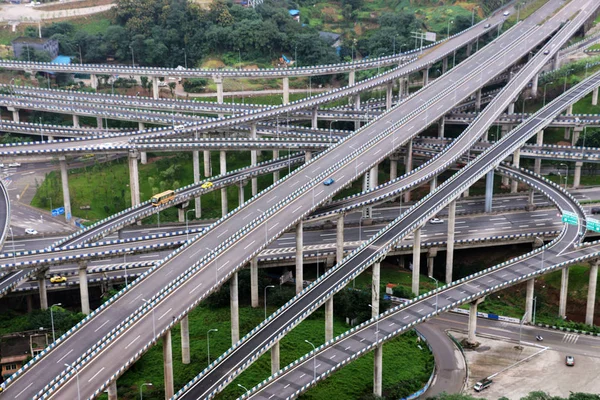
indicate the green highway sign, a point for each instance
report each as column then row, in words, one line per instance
column 592, row 224
column 570, row 218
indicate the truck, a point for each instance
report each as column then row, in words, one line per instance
column 479, row 386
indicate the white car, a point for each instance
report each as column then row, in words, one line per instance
column 506, row 13
column 31, row 231
column 14, row 164
column 436, row 221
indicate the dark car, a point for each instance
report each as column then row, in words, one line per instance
column 328, row 182
column 595, row 210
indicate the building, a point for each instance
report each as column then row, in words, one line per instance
column 22, row 45
column 334, row 39
column 17, row 348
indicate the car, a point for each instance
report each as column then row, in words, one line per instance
column 546, row 52
column 487, row 26
column 207, row 185
column 435, row 221
column 595, row 210
column 539, row 338
column 570, row 361
column 31, row 231
column 328, row 182
column 14, row 164
column 506, row 13
column 58, row 279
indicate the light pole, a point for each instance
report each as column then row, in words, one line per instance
column 567, row 72
column 355, row 162
column 52, row 320
column 153, row 321
column 523, row 113
column 448, row 30
column 314, row 360
column 217, row 264
column 331, row 123
column 187, row 225
column 473, row 15
column 208, row 342
column 77, row 378
column 376, row 325
column 243, row 387
column 80, row 55
column 546, row 84
column 265, row 297
column 534, row 307
column 142, row 388
column 313, row 190
column 12, row 238
column 132, row 57
column 567, row 176
column 436, row 292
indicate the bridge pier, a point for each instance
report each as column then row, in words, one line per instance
column 275, row 173
column 99, row 123
column 134, row 180
column 591, row 297
column 241, row 192
column 489, row 191
column 299, row 257
column 595, row 97
column 441, row 126
column 196, row 167
column 389, row 95
column 478, row 100
column 41, row 280
column 351, row 78
column 416, row 261
column 219, row 82
column 469, row 49
column 537, row 166
column 314, row 118
column 529, row 301
column 286, row 90
column 168, row 365
column 511, row 109
column 254, row 282
column 393, row 166
column 339, row 239
column 15, row 114
column 569, row 110
column 223, row 171
column 564, row 289
column 83, row 288
column 425, row 76
column 185, row 340
column 433, row 183
column 307, row 156
column 576, row 132
column 378, row 356
column 253, row 159
column 472, row 339
column 408, row 165
column 431, row 253
column 514, row 185
column 112, row 390
column 141, row 126
column 357, row 108
column 235, row 308
column 369, row 182
column 534, row 86
column 329, row 319
column 94, row 81
column 275, row 358
column 76, row 121
column 143, row 157
column 64, row 177
column 530, row 200
column 444, row 65
column 155, row 88
column 577, row 176
column 207, row 166
column 450, row 240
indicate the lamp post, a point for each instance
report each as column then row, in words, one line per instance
column 76, row 377
column 523, row 113
column 331, row 123
column 546, row 84
column 313, row 190
column 314, row 360
column 265, row 297
column 187, row 225
column 376, row 325
column 534, row 307
column 567, row 176
column 208, row 342
column 132, row 57
column 80, row 55
column 12, row 238
column 436, row 292
column 243, row 387
column 448, row 30
column 52, row 320
column 473, row 15
column 567, row 72
column 153, row 321
column 355, row 162
column 142, row 388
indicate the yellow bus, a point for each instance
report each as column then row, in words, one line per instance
column 162, row 198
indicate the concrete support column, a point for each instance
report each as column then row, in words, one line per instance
column 511, row 108
column 275, row 358
column 299, row 257
column 378, row 370
column 93, row 81
column 168, row 365
column 444, row 65
column 351, row 78
column 534, row 86
column 286, row 90
column 569, row 110
column 530, row 202
column 393, row 167
column 489, row 191
column 339, row 239
column 185, row 340
column 591, row 297
column 141, row 126
column 307, row 156
column 564, row 289
column 206, row 159
column 450, row 240
column 441, row 126
column 472, row 339
column 431, row 253
column 357, row 108
column 275, row 173
column 253, row 159
column 378, row 356
column 235, row 308
column 433, row 183
column 219, row 82
column 577, row 177
column 529, row 301
column 155, row 88
column 478, row 100
column 112, row 391
column 514, row 185
column 567, row 133
column 375, row 289
column 314, row 118
column 537, row 163
column 99, row 123
column 388, row 95
column 76, row 121
column 241, row 193
column 64, row 177
column 595, row 97
column 254, row 282
column 143, row 157
column 134, row 182
column 329, row 319
column 576, row 132
column 416, row 261
column 15, row 113
column 425, row 77
column 223, row 170
column 196, row 167
column 41, row 280
column 408, row 164
column 83, row 288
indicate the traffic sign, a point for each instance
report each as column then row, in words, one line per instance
column 592, row 224
column 570, row 218
column 58, row 211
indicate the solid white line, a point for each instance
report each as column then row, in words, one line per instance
column 247, row 215
column 166, row 312
column 101, row 369
column 194, row 289
column 21, row 392
column 66, row 355
column 296, row 209
column 250, row 244
column 322, row 190
column 100, row 327
column 224, row 264
column 133, row 341
column 271, row 199
column 221, row 234
column 274, row 225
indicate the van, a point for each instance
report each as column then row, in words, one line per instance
column 479, row 386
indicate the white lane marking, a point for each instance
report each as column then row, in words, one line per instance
column 134, row 300
column 274, row 225
column 100, row 327
column 362, row 340
column 96, row 374
column 21, row 392
column 295, row 183
column 322, row 190
column 296, row 209
column 133, row 341
column 271, row 199
column 165, row 313
column 347, row 348
column 192, row 256
column 221, row 234
column 420, row 310
column 286, row 386
column 250, row 213
column 377, row 152
column 271, row 396
column 497, row 219
column 69, row 352
column 250, row 244
column 224, row 264
column 194, row 289
column 406, row 317
column 332, row 357
column 302, row 376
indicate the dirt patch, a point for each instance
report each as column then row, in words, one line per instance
column 213, row 63
column 563, row 143
column 74, row 5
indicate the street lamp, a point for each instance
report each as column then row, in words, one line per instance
column 243, row 387
column 314, row 360
column 567, row 72
column 52, row 320
column 217, row 264
column 473, row 15
column 12, row 238
column 142, row 387
column 448, row 30
column 187, row 225
column 80, row 55
column 436, row 292
column 546, row 84
column 77, row 377
column 313, row 190
column 523, row 113
column 153, row 321
column 331, row 123
column 208, row 342
column 567, row 176
column 132, row 58
column 265, row 297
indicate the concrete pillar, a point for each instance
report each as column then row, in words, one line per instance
column 441, row 126
column 450, row 240
column 141, row 126
column 99, row 123
column 472, row 339
column 185, row 340
column 529, row 301
column 64, row 177
column 351, row 78
column 83, row 288
column 393, row 167
column 235, row 308
column 241, row 193
column 591, row 297
column 511, row 108
column 93, row 81
column 375, row 289
column 15, row 113
column 530, row 202
column 196, row 167
column 444, row 65
column 567, row 133
column 489, row 191
column 76, row 121
column 570, row 109
column 206, row 157
column 478, row 100
column 329, row 319
column 155, row 88
column 314, row 117
column 253, row 159
column 219, row 82
column 168, row 365
column 254, row 282
column 134, row 182
column 223, row 170
column 357, row 108
column 112, row 391
column 534, row 86
column 299, row 257
column 431, row 253
column 416, row 261
column 378, row 370
column 514, row 185
column 275, row 358
column 537, row 166
column 29, row 299
column 425, row 76
column 555, row 62
column 564, row 289
column 595, row 97
column 408, row 164
column 307, row 155
column 286, row 90
column 339, row 239
column 275, row 173
column 469, row 49
column 577, row 177
column 41, row 280
column 576, row 132
column 378, row 356
column 143, row 157
column 388, row 95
